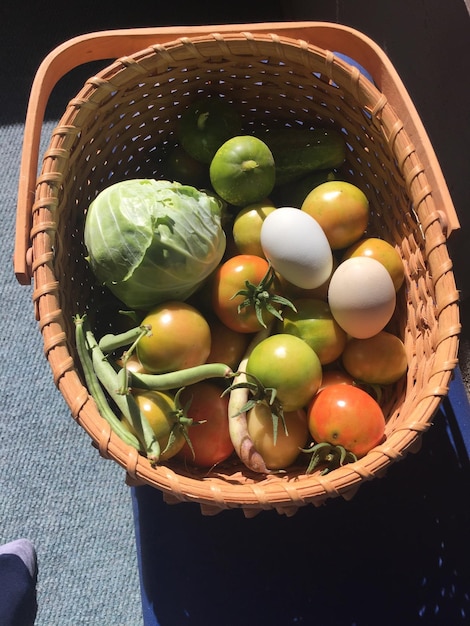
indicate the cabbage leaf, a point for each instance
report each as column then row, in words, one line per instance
column 150, row 241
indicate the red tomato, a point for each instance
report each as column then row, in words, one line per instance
column 211, row 439
column 227, row 346
column 347, row 416
column 282, row 452
column 289, row 365
column 230, row 278
column 335, row 377
column 180, row 338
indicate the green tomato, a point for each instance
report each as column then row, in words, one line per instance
column 159, row 409
column 242, row 171
column 206, row 125
column 179, row 166
column 289, row 365
column 314, row 323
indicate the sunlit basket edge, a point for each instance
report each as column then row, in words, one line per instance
column 433, row 358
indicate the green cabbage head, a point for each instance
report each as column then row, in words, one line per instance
column 150, row 240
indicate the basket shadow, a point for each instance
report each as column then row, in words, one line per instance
column 390, row 553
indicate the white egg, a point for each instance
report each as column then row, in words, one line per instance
column 297, row 247
column 362, row 296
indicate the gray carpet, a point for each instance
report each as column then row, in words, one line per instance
column 54, row 487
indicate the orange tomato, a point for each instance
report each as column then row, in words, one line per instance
column 341, row 209
column 382, row 251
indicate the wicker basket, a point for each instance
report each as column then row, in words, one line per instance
column 115, row 129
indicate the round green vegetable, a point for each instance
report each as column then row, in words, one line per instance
column 243, row 171
column 150, row 241
column 180, row 166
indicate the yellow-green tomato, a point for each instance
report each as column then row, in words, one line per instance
column 247, row 227
column 158, row 408
column 341, row 209
column 380, row 359
column 314, row 323
column 382, row 251
column 288, row 365
column 179, row 337
column 282, row 451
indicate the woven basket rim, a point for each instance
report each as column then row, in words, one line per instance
column 211, row 492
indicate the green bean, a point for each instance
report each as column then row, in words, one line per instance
column 125, row 402
column 110, row 342
column 180, row 378
column 95, row 389
column 156, row 382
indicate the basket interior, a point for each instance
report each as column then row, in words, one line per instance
column 124, row 120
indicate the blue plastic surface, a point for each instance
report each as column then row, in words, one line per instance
column 397, row 554
column 361, row 68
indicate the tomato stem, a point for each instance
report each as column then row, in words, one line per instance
column 262, row 298
column 329, row 456
column 261, row 394
column 201, row 120
column 249, row 165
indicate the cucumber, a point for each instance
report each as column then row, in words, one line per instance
column 295, row 192
column 298, row 152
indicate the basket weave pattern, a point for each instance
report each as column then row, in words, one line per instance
column 117, row 128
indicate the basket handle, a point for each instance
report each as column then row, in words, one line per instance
column 117, row 43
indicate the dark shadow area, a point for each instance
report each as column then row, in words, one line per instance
column 28, row 35
column 394, row 554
